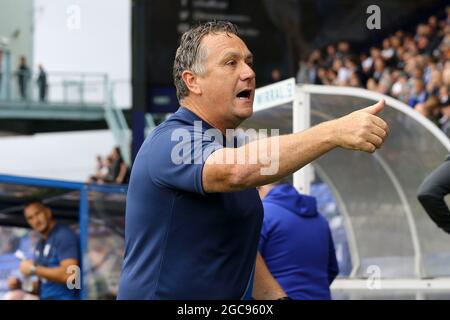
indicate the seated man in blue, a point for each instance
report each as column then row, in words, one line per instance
column 296, row 243
column 56, row 257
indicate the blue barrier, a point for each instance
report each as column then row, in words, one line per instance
column 83, row 211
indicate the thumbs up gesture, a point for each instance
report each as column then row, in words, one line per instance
column 362, row 130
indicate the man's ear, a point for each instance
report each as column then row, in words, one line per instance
column 191, row 81
column 48, row 213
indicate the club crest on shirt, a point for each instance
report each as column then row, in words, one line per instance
column 47, row 249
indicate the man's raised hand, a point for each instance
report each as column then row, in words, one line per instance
column 361, row 130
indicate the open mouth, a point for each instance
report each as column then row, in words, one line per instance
column 244, row 94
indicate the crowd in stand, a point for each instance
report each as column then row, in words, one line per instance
column 111, row 169
column 412, row 67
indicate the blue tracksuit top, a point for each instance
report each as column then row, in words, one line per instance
column 296, row 244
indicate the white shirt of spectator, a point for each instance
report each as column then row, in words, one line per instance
column 344, row 75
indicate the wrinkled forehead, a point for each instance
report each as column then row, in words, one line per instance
column 33, row 209
column 218, row 44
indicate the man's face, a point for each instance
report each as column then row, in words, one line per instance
column 228, row 84
column 38, row 217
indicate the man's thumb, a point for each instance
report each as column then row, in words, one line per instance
column 375, row 108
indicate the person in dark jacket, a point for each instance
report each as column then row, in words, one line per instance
column 431, row 195
column 42, row 84
column 23, row 76
column 296, row 243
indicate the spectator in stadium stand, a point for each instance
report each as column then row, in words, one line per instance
column 418, row 94
column 193, row 220
column 103, row 169
column 100, row 166
column 400, row 89
column 302, row 73
column 42, row 84
column 343, row 50
column 430, row 109
column 276, row 75
column 55, row 253
column 118, row 169
column 23, row 77
column 409, row 66
column 444, row 100
column 112, row 170
column 331, row 52
column 296, row 243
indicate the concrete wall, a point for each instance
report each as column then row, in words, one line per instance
column 64, row 156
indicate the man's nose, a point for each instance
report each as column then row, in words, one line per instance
column 247, row 72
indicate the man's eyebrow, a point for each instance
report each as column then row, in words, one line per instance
column 235, row 54
column 36, row 211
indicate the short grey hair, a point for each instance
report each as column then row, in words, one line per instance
column 191, row 55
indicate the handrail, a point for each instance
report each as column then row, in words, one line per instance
column 58, row 87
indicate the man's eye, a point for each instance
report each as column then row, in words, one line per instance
column 231, row 63
column 250, row 64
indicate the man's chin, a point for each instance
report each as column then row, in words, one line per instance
column 244, row 112
column 42, row 229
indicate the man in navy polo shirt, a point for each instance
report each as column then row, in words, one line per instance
column 193, row 217
column 56, row 256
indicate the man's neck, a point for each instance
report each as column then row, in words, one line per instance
column 199, row 111
column 49, row 229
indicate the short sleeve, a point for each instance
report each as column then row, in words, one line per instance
column 176, row 156
column 67, row 246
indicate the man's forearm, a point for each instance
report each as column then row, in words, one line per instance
column 56, row 274
column 283, row 155
column 265, row 287
column 267, row 160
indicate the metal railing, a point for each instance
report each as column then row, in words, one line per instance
column 121, row 90
column 71, row 90
column 62, row 88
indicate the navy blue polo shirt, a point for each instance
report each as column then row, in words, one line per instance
column 180, row 242
column 62, row 244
